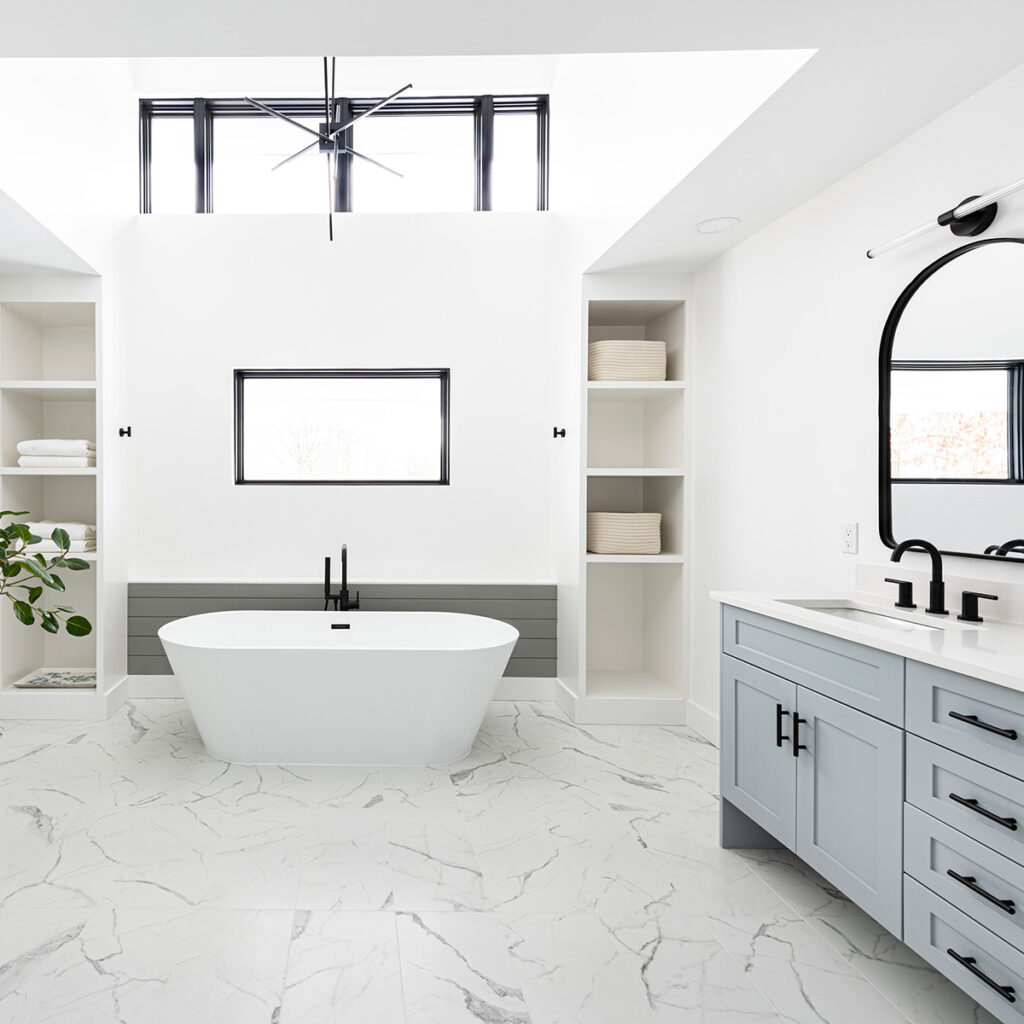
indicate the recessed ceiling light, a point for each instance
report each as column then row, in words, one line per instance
column 716, row 224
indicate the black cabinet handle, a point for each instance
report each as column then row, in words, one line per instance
column 972, row 883
column 797, row 745
column 971, row 804
column 1006, row 991
column 1010, row 734
column 778, row 725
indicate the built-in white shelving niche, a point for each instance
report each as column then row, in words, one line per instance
column 49, row 388
column 629, row 662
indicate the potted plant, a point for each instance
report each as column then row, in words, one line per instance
column 25, row 575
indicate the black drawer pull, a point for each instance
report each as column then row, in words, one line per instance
column 1006, row 991
column 972, row 883
column 778, row 725
column 1010, row 734
column 971, row 804
column 797, row 745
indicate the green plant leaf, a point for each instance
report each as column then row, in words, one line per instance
column 22, row 531
column 7, row 513
column 56, row 583
column 49, row 622
column 34, row 593
column 63, row 608
column 10, row 569
column 32, row 566
column 24, row 613
column 77, row 625
column 61, row 538
column 75, row 564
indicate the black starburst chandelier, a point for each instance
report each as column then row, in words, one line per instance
column 328, row 139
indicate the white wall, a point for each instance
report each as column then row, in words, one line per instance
column 482, row 295
column 787, row 334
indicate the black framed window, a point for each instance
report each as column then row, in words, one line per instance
column 957, row 421
column 342, row 426
column 455, row 152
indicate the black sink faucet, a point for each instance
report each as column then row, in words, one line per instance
column 937, row 588
column 342, row 602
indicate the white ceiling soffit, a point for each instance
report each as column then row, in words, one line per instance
column 26, row 247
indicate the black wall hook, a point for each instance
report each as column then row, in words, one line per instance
column 971, row 225
column 125, row 432
column 559, row 433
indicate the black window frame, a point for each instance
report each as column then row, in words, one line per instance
column 1014, row 369
column 205, row 111
column 443, row 375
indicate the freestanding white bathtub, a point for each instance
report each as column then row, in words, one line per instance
column 397, row 688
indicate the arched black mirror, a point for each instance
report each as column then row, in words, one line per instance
column 951, row 405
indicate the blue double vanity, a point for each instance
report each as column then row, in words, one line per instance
column 891, row 760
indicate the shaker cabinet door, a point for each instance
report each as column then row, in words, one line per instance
column 758, row 767
column 850, row 803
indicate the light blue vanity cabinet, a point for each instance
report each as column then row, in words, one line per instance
column 805, row 764
column 906, row 791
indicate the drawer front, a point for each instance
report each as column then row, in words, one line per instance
column 979, row 719
column 935, row 930
column 865, row 679
column 939, row 782
column 982, row 883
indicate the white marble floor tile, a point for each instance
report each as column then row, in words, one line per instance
column 572, row 973
column 436, row 868
column 343, row 967
column 456, row 968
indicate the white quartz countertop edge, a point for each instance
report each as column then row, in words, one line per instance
column 993, row 651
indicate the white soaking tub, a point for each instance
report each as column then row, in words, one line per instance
column 283, row 687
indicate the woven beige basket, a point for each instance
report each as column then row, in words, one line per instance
column 626, row 360
column 624, row 533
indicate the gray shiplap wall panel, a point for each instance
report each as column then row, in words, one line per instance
column 531, row 608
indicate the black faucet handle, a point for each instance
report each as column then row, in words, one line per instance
column 905, row 599
column 969, row 605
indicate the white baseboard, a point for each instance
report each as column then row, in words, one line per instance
column 510, row 687
column 526, row 688
column 702, row 722
column 154, row 686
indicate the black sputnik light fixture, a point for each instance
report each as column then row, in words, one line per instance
column 328, row 139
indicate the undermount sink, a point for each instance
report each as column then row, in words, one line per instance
column 855, row 612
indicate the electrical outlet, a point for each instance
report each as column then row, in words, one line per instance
column 848, row 539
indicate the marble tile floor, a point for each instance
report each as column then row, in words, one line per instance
column 559, row 874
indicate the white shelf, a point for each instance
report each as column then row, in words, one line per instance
column 47, row 471
column 640, row 471
column 635, row 685
column 663, row 559
column 53, row 390
column 631, row 390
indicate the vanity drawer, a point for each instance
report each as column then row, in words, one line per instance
column 855, row 675
column 936, row 930
column 941, row 782
column 979, row 719
column 982, row 883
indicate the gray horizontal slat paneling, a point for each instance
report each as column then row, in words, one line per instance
column 314, row 591
column 176, row 607
column 147, row 665
column 150, row 646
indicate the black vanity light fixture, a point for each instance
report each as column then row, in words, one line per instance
column 970, row 217
column 331, row 137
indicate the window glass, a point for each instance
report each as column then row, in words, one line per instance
column 172, row 166
column 433, row 153
column 514, row 166
column 343, row 429
column 949, row 424
column 245, row 150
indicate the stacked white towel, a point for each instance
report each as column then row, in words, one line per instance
column 56, row 453
column 82, row 535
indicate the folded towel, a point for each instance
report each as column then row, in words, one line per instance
column 56, row 461
column 76, row 531
column 48, row 547
column 56, row 446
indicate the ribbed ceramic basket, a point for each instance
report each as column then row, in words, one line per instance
column 624, row 533
column 626, row 360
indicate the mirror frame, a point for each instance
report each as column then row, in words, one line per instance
column 884, row 369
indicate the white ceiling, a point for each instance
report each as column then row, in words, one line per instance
column 883, row 69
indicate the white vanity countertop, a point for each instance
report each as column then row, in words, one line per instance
column 993, row 651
